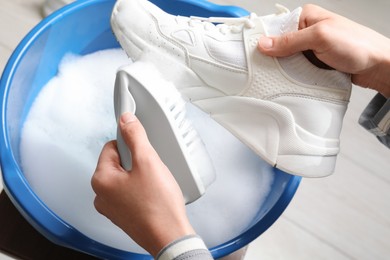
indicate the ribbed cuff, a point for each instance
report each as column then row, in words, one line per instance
column 187, row 247
column 376, row 118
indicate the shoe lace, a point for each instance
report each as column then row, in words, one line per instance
column 224, row 24
column 230, row 24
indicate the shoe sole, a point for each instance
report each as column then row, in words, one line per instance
column 277, row 138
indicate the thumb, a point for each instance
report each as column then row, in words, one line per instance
column 286, row 44
column 133, row 133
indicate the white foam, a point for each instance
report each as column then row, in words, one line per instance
column 73, row 117
column 243, row 180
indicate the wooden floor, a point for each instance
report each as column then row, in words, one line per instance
column 345, row 216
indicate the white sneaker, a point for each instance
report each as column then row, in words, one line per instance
column 287, row 110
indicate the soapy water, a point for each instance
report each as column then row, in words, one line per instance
column 73, row 117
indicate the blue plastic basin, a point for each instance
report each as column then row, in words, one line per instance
column 83, row 27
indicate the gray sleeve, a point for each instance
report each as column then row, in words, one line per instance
column 376, row 118
column 186, row 248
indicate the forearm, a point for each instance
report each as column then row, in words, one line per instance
column 160, row 236
column 378, row 76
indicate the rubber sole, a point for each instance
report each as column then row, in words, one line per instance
column 270, row 130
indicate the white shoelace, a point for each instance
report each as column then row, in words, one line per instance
column 230, row 24
column 224, row 24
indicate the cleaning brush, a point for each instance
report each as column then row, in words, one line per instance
column 141, row 89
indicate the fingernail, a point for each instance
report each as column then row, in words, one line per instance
column 265, row 42
column 127, row 117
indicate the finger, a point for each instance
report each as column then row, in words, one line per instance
column 134, row 134
column 109, row 155
column 312, row 14
column 308, row 37
column 108, row 163
column 99, row 205
column 287, row 44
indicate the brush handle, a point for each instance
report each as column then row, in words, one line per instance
column 123, row 102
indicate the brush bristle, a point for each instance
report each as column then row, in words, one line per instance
column 199, row 155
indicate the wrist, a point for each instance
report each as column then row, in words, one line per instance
column 381, row 78
column 377, row 76
column 185, row 248
column 386, row 68
column 165, row 235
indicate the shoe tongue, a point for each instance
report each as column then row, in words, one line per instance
column 282, row 23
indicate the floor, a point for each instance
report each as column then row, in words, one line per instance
column 345, row 216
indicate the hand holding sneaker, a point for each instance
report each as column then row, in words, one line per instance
column 287, row 110
column 340, row 43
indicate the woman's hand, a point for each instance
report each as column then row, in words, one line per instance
column 340, row 43
column 145, row 202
